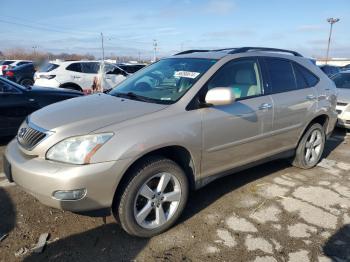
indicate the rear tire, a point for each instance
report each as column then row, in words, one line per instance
column 310, row 147
column 153, row 198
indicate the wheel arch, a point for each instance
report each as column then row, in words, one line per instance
column 322, row 119
column 73, row 85
column 179, row 154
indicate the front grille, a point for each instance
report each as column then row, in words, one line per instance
column 29, row 137
column 341, row 104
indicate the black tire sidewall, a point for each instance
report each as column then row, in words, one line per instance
column 126, row 206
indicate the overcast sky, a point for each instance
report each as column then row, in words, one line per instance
column 130, row 26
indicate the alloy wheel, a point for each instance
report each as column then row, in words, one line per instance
column 157, row 200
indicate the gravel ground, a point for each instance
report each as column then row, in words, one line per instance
column 273, row 212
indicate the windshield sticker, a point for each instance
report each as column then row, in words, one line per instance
column 165, row 98
column 186, row 74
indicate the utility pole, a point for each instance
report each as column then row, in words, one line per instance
column 34, row 50
column 155, row 44
column 331, row 21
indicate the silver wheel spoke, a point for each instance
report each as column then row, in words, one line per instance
column 308, row 154
column 160, row 215
column 314, row 154
column 313, row 137
column 318, row 141
column 163, row 182
column 172, row 196
column 144, row 212
column 146, row 192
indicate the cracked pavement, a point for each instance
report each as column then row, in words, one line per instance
column 273, row 212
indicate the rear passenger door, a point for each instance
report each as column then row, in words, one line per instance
column 233, row 135
column 294, row 100
column 74, row 75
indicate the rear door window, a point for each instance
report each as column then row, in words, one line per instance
column 75, row 67
column 281, row 75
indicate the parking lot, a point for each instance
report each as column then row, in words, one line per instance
column 272, row 212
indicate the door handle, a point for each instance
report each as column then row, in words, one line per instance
column 310, row 97
column 265, row 106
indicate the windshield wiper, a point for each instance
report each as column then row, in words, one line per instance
column 133, row 96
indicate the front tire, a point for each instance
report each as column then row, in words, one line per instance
column 153, row 198
column 310, row 147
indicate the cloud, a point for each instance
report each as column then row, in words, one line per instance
column 219, row 7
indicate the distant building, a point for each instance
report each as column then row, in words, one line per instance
column 333, row 61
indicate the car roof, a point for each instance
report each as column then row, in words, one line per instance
column 220, row 53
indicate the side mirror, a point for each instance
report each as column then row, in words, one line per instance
column 219, row 96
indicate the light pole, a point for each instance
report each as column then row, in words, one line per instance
column 331, row 21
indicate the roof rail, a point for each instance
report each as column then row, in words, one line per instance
column 192, row 51
column 246, row 49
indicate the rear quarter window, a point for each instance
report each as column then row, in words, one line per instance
column 304, row 75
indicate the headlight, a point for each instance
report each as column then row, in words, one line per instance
column 77, row 150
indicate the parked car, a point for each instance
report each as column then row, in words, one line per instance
column 22, row 74
column 330, row 70
column 345, row 68
column 8, row 64
column 130, row 67
column 17, row 102
column 342, row 81
column 139, row 149
column 77, row 75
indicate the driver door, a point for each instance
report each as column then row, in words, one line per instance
column 233, row 135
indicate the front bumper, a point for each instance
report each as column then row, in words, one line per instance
column 40, row 178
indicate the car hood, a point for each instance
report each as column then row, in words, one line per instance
column 83, row 115
column 343, row 95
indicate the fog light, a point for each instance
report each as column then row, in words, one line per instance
column 69, row 194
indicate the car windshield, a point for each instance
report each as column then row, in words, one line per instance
column 165, row 81
column 342, row 80
column 47, row 67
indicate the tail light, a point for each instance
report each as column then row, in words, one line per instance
column 48, row 76
column 3, row 67
column 9, row 73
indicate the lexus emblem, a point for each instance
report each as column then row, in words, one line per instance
column 22, row 132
